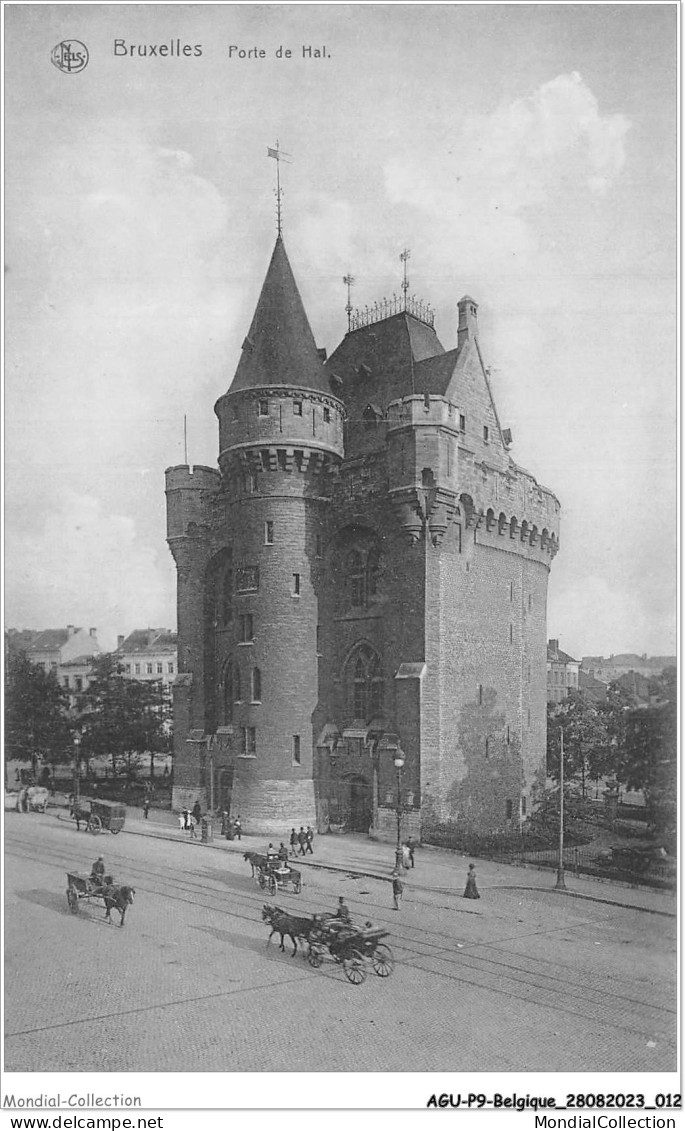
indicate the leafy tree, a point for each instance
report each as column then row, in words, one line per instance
column 650, row 762
column 121, row 718
column 588, row 751
column 37, row 726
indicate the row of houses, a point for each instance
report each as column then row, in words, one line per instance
column 593, row 674
column 145, row 654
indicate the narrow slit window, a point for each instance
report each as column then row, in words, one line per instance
column 296, row 585
column 268, row 533
column 297, row 758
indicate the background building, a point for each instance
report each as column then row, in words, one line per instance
column 562, row 673
column 362, row 581
column 149, row 653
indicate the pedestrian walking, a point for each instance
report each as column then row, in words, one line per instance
column 309, row 835
column 146, row 807
column 192, row 825
column 471, row 890
column 197, row 812
column 293, row 843
column 238, row 828
column 397, row 891
column 186, row 819
column 302, row 840
column 182, row 821
column 405, row 855
column 410, row 849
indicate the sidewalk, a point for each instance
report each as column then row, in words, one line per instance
column 437, row 870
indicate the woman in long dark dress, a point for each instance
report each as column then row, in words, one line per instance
column 471, row 891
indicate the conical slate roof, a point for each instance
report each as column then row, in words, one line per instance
column 280, row 348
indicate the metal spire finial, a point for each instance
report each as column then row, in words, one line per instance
column 348, row 280
column 405, row 282
column 279, row 155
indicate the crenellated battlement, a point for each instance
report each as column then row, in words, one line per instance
column 191, row 478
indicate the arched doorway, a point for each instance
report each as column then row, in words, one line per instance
column 359, row 803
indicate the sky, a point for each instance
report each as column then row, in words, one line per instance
column 525, row 154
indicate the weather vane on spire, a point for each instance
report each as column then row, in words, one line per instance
column 348, row 280
column 405, row 282
column 278, row 155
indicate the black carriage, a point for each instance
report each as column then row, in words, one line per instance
column 277, row 875
column 353, row 947
column 99, row 815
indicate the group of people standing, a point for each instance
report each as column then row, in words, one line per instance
column 303, row 841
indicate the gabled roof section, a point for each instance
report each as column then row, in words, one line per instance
column 279, row 348
column 51, row 639
column 143, row 640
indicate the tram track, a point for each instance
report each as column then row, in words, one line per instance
column 479, row 964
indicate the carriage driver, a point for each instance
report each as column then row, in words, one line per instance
column 97, row 872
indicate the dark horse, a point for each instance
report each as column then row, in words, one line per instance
column 118, row 897
column 282, row 923
column 256, row 860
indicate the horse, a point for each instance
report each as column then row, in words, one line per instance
column 256, row 860
column 282, row 923
column 79, row 814
column 118, row 897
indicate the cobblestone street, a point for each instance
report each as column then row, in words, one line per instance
column 524, row 980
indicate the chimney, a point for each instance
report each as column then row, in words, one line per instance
column 468, row 320
column 92, row 632
column 120, row 643
column 554, row 644
column 70, row 630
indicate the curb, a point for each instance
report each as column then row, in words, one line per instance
column 358, row 873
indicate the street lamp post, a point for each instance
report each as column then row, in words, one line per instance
column 560, row 884
column 399, row 762
column 77, row 770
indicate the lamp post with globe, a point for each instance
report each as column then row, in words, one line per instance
column 399, row 763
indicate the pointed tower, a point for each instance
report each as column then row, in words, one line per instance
column 250, row 569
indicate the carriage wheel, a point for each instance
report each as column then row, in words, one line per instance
column 383, row 960
column 315, row 957
column 297, row 886
column 261, row 880
column 355, row 968
column 72, row 900
column 94, row 825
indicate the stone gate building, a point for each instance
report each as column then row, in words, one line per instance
column 362, row 580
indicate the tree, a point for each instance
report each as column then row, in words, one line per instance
column 121, row 718
column 588, row 750
column 650, row 762
column 37, row 726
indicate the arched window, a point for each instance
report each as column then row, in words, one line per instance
column 236, row 684
column 357, row 579
column 372, row 572
column 366, row 684
column 256, row 685
column 490, row 520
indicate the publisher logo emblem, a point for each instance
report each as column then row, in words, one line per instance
column 70, row 56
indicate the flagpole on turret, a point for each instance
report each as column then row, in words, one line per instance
column 278, row 155
column 348, row 280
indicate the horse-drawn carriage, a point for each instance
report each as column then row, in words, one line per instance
column 81, row 887
column 351, row 945
column 99, row 815
column 273, row 874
